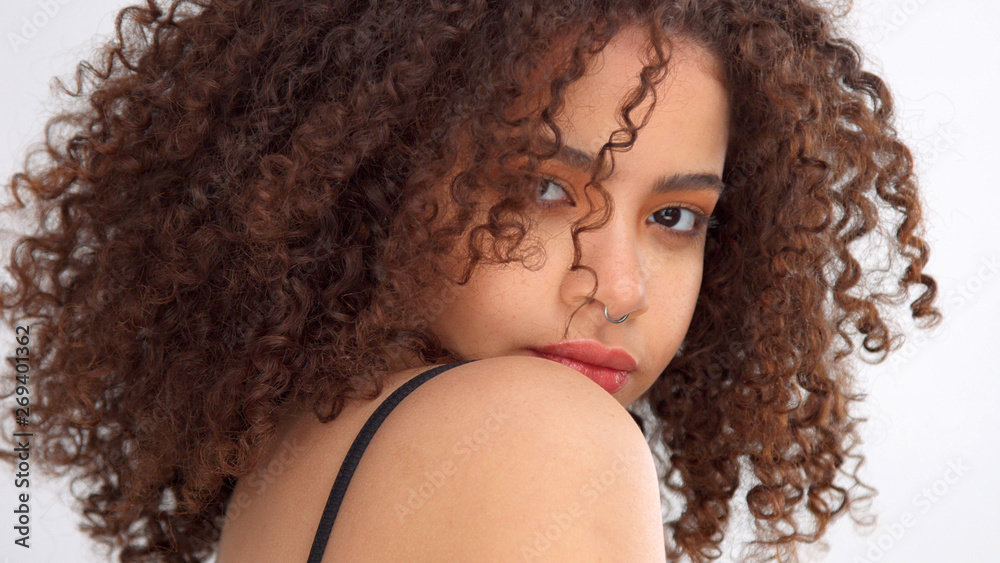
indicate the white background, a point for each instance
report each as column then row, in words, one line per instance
column 932, row 405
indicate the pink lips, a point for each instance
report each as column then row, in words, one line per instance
column 608, row 367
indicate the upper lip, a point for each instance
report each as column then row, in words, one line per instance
column 592, row 352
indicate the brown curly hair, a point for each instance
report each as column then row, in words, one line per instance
column 241, row 217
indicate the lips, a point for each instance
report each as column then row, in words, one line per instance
column 607, row 367
column 593, row 353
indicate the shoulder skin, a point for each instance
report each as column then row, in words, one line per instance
column 515, row 458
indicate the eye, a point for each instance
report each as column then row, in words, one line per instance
column 681, row 221
column 676, row 220
column 549, row 196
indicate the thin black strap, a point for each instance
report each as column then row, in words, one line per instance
column 354, row 456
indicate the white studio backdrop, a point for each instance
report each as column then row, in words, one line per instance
column 932, row 436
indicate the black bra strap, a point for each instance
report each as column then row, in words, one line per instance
column 354, row 456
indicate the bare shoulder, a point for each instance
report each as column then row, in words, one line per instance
column 516, row 458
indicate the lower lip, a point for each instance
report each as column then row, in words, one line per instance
column 611, row 380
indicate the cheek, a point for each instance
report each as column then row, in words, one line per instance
column 465, row 308
column 692, row 288
column 448, row 311
column 677, row 288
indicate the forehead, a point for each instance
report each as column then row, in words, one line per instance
column 611, row 74
column 614, row 72
column 622, row 60
column 687, row 129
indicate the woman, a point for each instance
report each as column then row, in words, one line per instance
column 511, row 225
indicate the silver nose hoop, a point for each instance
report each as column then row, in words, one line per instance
column 619, row 321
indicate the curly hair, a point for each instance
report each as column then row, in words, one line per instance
column 242, row 215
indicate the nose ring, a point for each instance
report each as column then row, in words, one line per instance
column 619, row 321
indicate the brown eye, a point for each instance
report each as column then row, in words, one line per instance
column 680, row 221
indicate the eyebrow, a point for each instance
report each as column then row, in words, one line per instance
column 583, row 161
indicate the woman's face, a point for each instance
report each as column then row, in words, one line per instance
column 646, row 262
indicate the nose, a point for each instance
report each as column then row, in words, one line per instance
column 617, row 259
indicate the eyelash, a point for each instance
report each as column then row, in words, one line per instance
column 701, row 220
